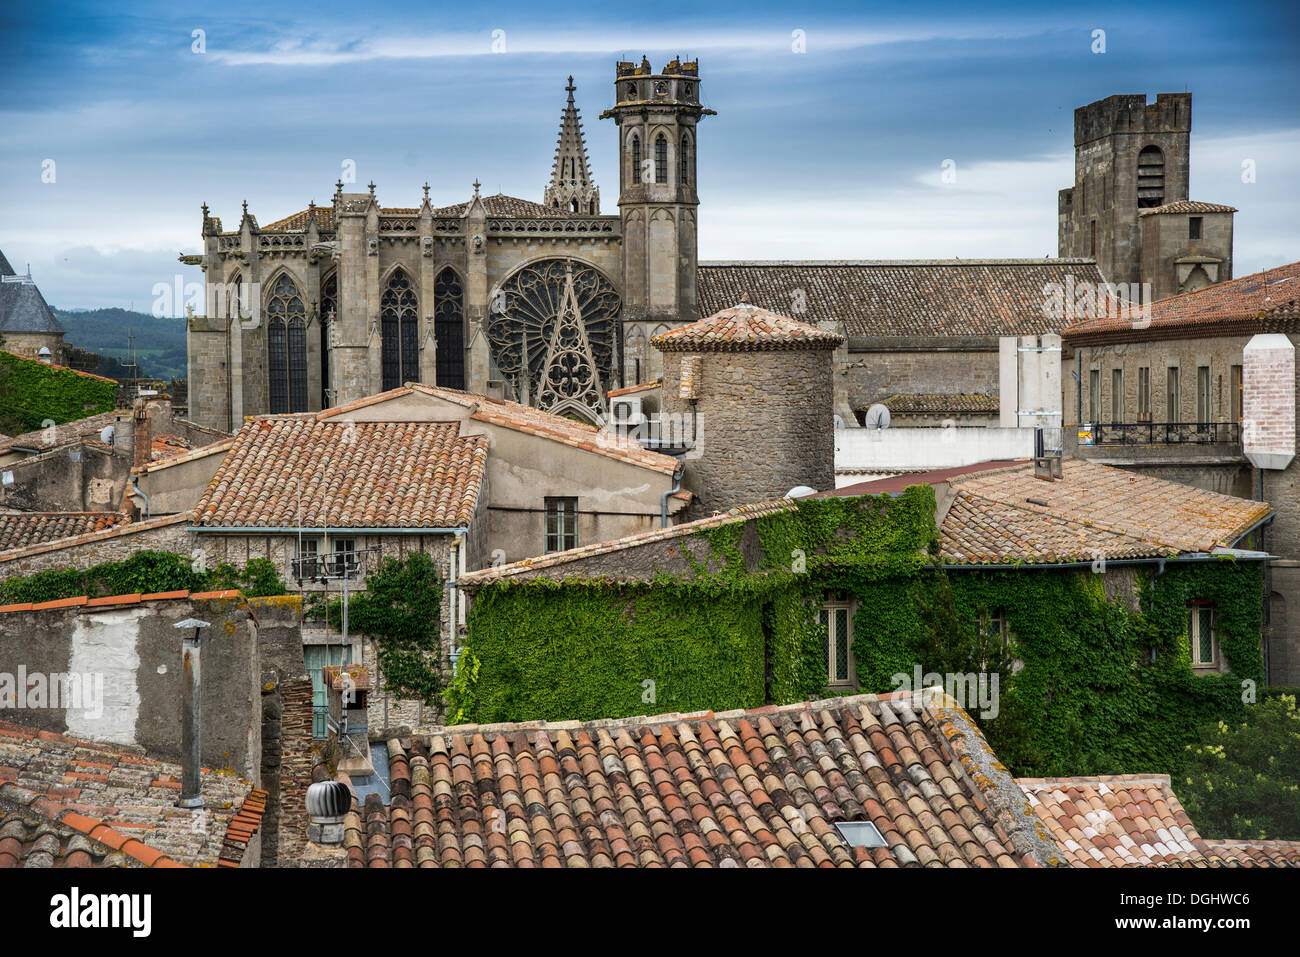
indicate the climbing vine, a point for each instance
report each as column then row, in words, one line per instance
column 33, row 393
column 145, row 572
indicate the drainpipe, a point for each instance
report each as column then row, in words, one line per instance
column 135, row 487
column 191, row 700
column 663, row 502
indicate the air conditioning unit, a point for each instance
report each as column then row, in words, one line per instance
column 625, row 412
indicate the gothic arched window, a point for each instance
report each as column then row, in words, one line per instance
column 329, row 309
column 399, row 332
column 1151, row 178
column 686, row 163
column 661, row 159
column 449, row 329
column 636, row 158
column 286, row 347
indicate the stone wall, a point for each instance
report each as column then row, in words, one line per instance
column 167, row 534
column 73, row 478
column 871, row 374
column 763, row 425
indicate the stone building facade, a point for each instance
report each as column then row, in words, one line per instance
column 1131, row 168
column 553, row 300
column 1172, row 396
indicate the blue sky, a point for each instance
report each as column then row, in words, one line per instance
column 835, row 152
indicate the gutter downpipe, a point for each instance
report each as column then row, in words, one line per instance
column 135, row 487
column 663, row 501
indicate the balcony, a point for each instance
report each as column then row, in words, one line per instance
column 1162, row 433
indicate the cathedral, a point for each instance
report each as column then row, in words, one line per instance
column 554, row 303
column 549, row 303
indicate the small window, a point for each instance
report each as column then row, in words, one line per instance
column 686, row 165
column 1202, row 633
column 1173, row 396
column 1094, row 239
column 561, row 524
column 1117, row 395
column 661, row 159
column 1194, row 227
column 636, row 158
column 344, row 557
column 859, row 834
column 1144, row 394
column 306, row 558
column 993, row 624
column 837, row 641
column 1203, row 396
column 1094, row 395
column 1236, row 394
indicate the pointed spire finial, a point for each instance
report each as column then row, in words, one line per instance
column 426, row 189
column 205, row 210
column 245, row 207
column 476, row 186
column 338, row 188
column 371, row 186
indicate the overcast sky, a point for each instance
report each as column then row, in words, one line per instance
column 834, row 153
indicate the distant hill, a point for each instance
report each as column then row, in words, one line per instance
column 159, row 343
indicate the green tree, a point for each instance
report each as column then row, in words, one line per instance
column 1243, row 781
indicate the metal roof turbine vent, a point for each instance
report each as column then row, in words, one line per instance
column 327, row 804
column 45, row 355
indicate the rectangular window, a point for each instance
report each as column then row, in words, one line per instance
column 1144, row 394
column 1194, row 227
column 306, row 556
column 1236, row 394
column 1202, row 637
column 1173, row 397
column 1094, row 238
column 561, row 524
column 344, row 557
column 1094, row 395
column 1203, row 394
column 837, row 641
column 1117, row 395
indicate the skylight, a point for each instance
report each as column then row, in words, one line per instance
column 860, row 834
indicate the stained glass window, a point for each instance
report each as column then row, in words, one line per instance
column 286, row 347
column 449, row 329
column 399, row 332
column 661, row 159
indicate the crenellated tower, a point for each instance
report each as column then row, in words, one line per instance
column 657, row 115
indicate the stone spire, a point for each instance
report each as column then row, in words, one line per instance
column 570, row 177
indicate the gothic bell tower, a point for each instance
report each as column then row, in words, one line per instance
column 657, row 115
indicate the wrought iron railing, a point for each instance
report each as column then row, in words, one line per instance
column 1166, row 433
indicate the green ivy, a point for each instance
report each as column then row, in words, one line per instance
column 401, row 610
column 145, row 572
column 32, row 393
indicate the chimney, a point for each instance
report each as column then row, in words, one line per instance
column 191, row 701
column 143, row 434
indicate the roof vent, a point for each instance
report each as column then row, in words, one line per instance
column 45, row 355
column 859, row 834
column 327, row 804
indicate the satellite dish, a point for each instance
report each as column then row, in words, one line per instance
column 106, row 434
column 877, row 417
column 800, row 491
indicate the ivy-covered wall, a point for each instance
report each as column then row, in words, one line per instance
column 32, row 392
column 1102, row 681
column 1106, row 685
column 729, row 630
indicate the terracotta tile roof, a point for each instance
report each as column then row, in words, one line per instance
column 1108, row 511
column 20, row 529
column 745, row 328
column 937, row 403
column 960, row 297
column 80, row 803
column 1187, row 206
column 114, row 531
column 633, row 389
column 756, row 789
column 554, row 562
column 346, row 475
column 500, row 204
column 181, row 456
column 1134, row 820
column 1240, row 307
column 166, row 445
column 42, row 440
column 524, row 418
column 298, row 221
column 1002, row 514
